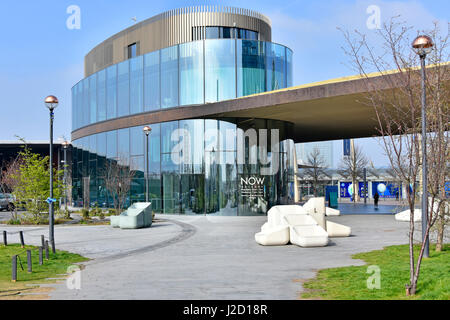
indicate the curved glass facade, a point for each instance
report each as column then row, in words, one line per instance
column 224, row 170
column 190, row 73
column 209, row 182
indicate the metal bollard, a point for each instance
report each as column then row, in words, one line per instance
column 14, row 269
column 30, row 267
column 46, row 249
column 5, row 240
column 22, row 242
column 41, row 260
column 42, row 241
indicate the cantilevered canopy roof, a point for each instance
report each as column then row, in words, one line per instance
column 328, row 110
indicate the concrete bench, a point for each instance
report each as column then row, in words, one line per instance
column 138, row 215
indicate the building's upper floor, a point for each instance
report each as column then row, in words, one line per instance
column 175, row 27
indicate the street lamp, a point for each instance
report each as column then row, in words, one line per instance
column 147, row 131
column 51, row 102
column 423, row 45
column 65, row 145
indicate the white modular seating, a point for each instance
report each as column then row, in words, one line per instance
column 305, row 232
column 405, row 215
column 332, row 212
column 276, row 231
column 308, row 236
column 275, row 236
column 138, row 215
column 305, row 226
column 338, row 230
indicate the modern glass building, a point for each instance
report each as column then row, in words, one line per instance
column 157, row 69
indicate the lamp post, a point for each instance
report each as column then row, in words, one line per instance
column 65, row 146
column 423, row 45
column 147, row 131
column 51, row 102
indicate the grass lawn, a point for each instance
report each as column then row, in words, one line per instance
column 55, row 267
column 350, row 283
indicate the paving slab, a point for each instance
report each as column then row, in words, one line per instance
column 218, row 260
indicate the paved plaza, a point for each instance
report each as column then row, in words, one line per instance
column 205, row 257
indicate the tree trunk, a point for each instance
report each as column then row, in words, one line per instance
column 440, row 229
column 411, row 288
column 441, row 223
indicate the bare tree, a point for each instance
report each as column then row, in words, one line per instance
column 395, row 94
column 316, row 172
column 352, row 167
column 118, row 177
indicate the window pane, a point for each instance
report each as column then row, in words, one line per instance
column 289, row 67
column 123, row 145
column 101, row 95
column 86, row 111
column 154, row 149
column 136, row 85
column 251, row 67
column 111, row 140
column 275, row 66
column 220, row 72
column 194, row 135
column 169, row 170
column 137, row 141
column 111, row 92
column 212, row 33
column 137, row 165
column 92, row 147
column 132, row 51
column 169, row 77
column 151, row 81
column 191, row 73
column 93, row 97
column 227, row 32
column 101, row 144
column 79, row 104
column 123, row 85
column 74, row 107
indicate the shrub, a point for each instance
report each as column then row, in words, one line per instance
column 101, row 215
column 14, row 221
column 85, row 213
column 112, row 212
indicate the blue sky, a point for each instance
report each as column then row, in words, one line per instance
column 43, row 57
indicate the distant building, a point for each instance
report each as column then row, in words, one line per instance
column 9, row 150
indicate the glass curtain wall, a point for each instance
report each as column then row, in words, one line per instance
column 197, row 72
column 209, row 179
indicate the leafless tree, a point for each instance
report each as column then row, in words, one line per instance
column 352, row 167
column 118, row 177
column 395, row 94
column 316, row 172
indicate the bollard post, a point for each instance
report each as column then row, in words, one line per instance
column 42, row 241
column 22, row 242
column 30, row 267
column 46, row 249
column 53, row 246
column 5, row 240
column 41, row 260
column 14, row 269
